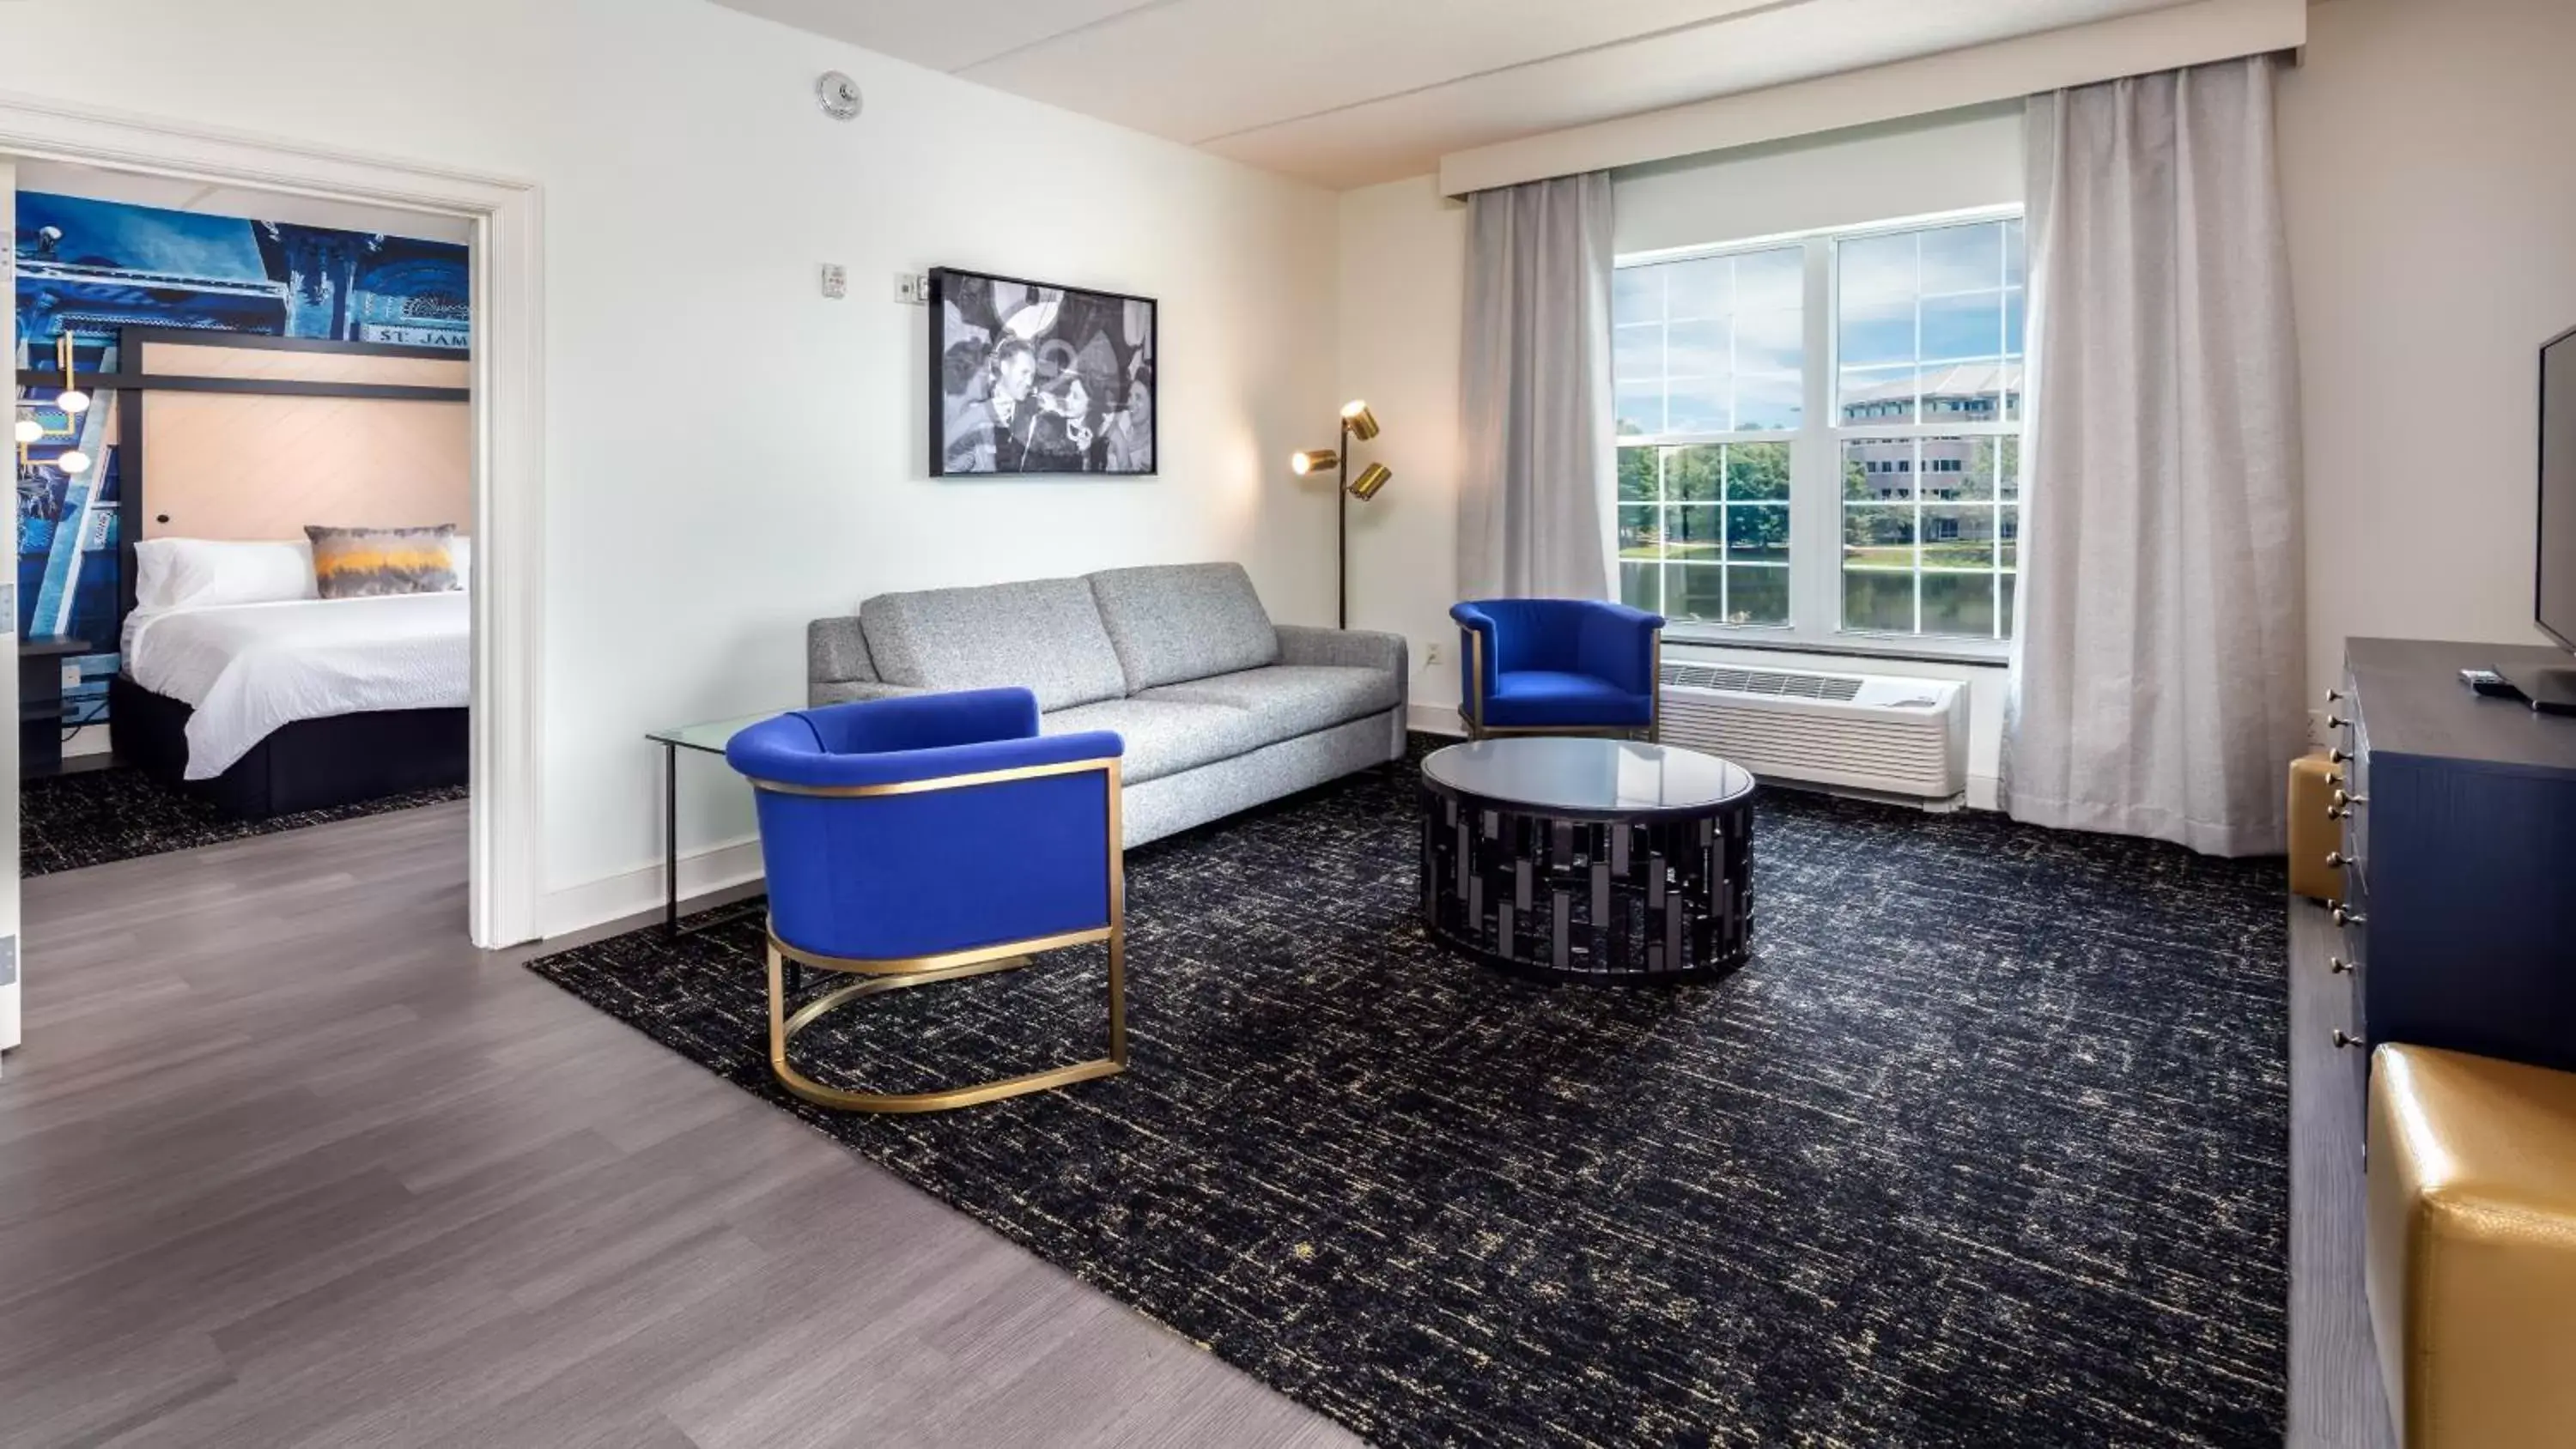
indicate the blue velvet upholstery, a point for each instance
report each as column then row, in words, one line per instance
column 1570, row 664
column 922, row 873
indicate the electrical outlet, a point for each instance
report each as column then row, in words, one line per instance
column 71, row 676
column 1432, row 653
column 912, row 289
column 836, row 281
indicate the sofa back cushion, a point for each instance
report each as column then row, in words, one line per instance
column 1177, row 622
column 1045, row 635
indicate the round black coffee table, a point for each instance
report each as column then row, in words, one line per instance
column 1588, row 859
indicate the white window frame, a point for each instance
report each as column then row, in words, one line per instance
column 1815, row 458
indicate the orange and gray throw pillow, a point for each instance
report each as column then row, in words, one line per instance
column 366, row 563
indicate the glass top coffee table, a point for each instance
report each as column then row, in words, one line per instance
column 709, row 738
column 1589, row 859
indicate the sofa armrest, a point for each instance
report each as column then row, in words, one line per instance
column 836, row 652
column 1354, row 648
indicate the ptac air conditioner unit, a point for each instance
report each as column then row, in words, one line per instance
column 1862, row 732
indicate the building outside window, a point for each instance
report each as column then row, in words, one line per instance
column 1819, row 437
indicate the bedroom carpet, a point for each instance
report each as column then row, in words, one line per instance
column 92, row 817
column 1986, row 1145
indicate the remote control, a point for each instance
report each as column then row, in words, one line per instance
column 2488, row 682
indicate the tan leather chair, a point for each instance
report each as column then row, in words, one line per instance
column 2472, row 1254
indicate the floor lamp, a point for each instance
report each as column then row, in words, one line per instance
column 1360, row 424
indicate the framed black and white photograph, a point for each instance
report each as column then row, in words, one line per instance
column 1031, row 378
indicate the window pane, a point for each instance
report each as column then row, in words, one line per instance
column 1878, row 537
column 1640, row 532
column 1769, row 404
column 1959, row 604
column 1963, row 393
column 1758, row 532
column 1963, row 258
column 1877, row 332
column 1970, row 325
column 1641, row 586
column 2008, row 484
column 1700, row 349
column 1772, row 340
column 1877, row 269
column 1637, row 474
column 1772, row 281
column 2014, row 306
column 1694, row 591
column 1757, row 472
column 2015, row 264
column 1878, row 470
column 1637, row 353
column 1701, row 288
column 1956, row 537
column 1878, row 396
column 2005, row 606
column 1640, row 408
column 1878, row 602
column 1697, row 405
column 1757, row 595
column 1694, row 475
column 1637, row 295
column 2008, row 537
column 1691, row 532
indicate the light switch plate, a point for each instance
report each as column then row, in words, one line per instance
column 836, row 281
column 912, row 289
column 71, row 676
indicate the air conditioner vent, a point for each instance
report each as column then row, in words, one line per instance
column 1881, row 734
column 1770, row 682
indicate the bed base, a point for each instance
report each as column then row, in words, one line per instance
column 312, row 764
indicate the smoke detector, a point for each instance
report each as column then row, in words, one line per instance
column 839, row 95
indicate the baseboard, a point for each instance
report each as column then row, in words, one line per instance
column 634, row 892
column 1434, row 719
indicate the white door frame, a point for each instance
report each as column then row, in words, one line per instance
column 509, row 433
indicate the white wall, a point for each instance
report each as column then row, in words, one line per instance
column 728, row 454
column 2432, row 215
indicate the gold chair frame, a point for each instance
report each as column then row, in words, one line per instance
column 881, row 975
column 1472, row 713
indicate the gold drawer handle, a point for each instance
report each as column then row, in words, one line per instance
column 2337, row 812
column 2338, row 965
column 2339, row 757
column 2344, row 917
column 2335, row 860
column 2336, row 696
column 2343, row 1038
column 2346, row 797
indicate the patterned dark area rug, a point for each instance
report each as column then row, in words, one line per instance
column 1987, row 1145
column 91, row 817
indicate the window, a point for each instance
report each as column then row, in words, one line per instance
column 1820, row 439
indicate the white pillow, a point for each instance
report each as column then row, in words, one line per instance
column 197, row 573
column 460, row 559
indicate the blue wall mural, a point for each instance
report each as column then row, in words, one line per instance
column 87, row 268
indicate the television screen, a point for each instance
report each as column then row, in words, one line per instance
column 2556, row 586
column 1031, row 378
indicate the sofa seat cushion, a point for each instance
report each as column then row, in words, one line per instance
column 1550, row 698
column 1288, row 700
column 1163, row 737
column 1180, row 622
column 1044, row 635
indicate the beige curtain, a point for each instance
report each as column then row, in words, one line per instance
column 2158, row 633
column 1536, row 433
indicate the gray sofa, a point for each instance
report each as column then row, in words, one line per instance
column 1220, row 709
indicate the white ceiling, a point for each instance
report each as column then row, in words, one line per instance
column 1350, row 92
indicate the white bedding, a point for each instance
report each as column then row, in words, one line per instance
column 247, row 669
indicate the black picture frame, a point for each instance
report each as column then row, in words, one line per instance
column 1040, row 379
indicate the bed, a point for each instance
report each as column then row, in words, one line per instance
column 277, row 706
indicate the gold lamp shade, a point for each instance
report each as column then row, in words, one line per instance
column 1361, row 422
column 1314, row 460
column 1372, row 478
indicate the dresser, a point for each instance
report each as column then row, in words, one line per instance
column 2458, row 852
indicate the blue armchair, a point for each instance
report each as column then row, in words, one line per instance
column 927, row 838
column 1558, row 666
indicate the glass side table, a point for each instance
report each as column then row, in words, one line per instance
column 709, row 738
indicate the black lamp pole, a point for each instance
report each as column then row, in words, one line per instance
column 1342, row 531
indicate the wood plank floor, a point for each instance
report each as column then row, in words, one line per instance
column 285, row 1162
